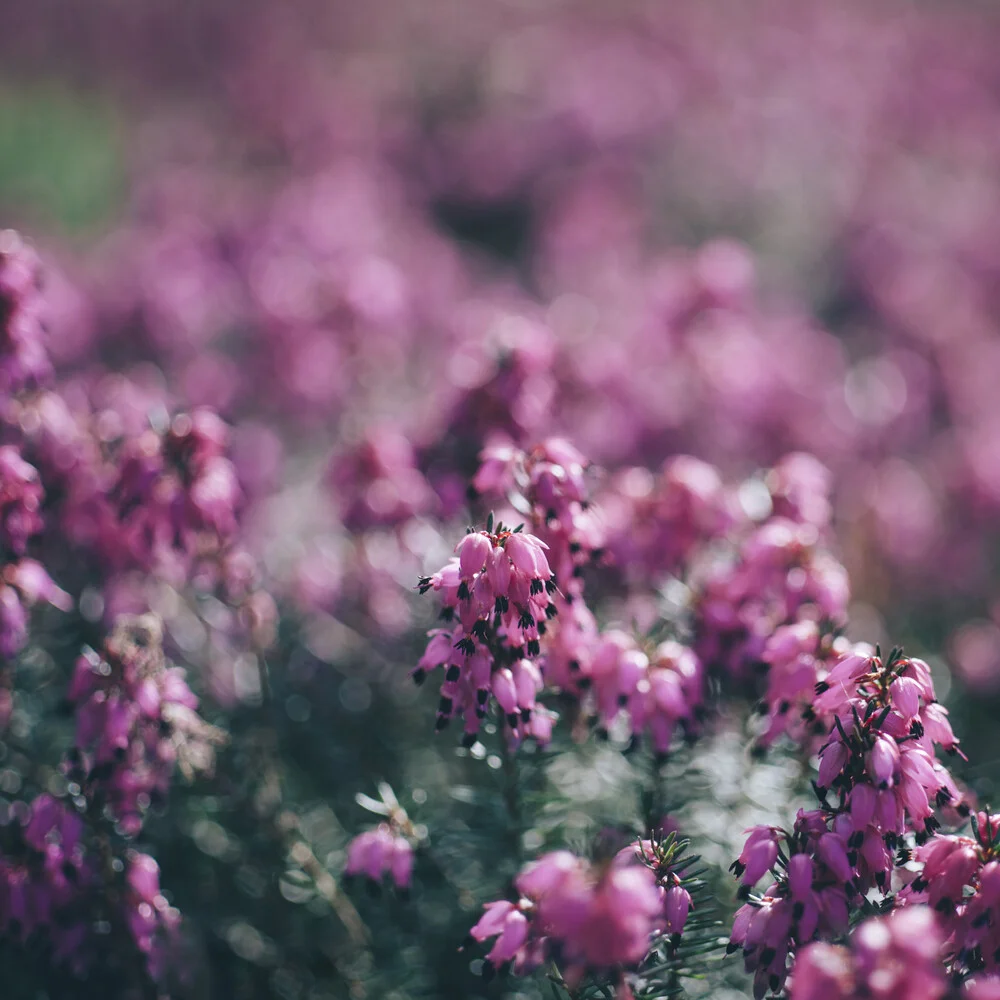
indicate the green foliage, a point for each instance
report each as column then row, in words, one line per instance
column 61, row 157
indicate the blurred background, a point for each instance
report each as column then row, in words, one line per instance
column 733, row 230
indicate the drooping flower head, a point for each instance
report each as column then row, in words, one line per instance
column 887, row 958
column 136, row 722
column 497, row 596
column 593, row 916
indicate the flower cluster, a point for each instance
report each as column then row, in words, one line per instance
column 814, row 879
column 379, row 852
column 797, row 658
column 781, row 575
column 880, row 758
column 662, row 854
column 388, row 848
column 879, row 764
column 52, row 882
column 136, row 722
column 42, row 867
column 377, row 483
column 657, row 524
column 150, row 919
column 593, row 915
column 176, row 493
column 657, row 693
column 551, row 478
column 959, row 878
column 498, row 592
column 24, row 360
column 888, row 958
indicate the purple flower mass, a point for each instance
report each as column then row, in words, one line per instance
column 577, row 422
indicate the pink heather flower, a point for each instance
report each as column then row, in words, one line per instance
column 148, row 914
column 758, row 856
column 377, row 482
column 880, row 756
column 498, row 593
column 677, row 905
column 21, row 496
column 51, row 884
column 176, row 494
column 514, row 398
column 551, row 479
column 666, row 694
column 22, row 585
column 616, row 668
column 594, row 916
column 136, row 721
column 814, row 879
column 888, row 958
column 34, row 584
column 656, row 524
column 380, row 852
column 498, row 467
column 883, row 762
column 823, row 972
column 570, row 647
column 800, row 487
column 624, row 910
column 959, row 878
column 509, row 925
column 780, row 575
column 23, row 358
column 13, row 623
column 798, row 657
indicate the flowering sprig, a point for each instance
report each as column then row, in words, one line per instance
column 587, row 916
column 388, row 848
column 61, row 883
column 880, row 757
column 959, row 878
column 549, row 484
column 781, row 575
column 814, row 881
column 664, row 855
column 136, row 722
column 887, row 958
column 498, row 593
column 879, row 784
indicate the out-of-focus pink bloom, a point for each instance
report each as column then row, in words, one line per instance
column 380, row 852
column 888, row 958
column 597, row 916
column 136, row 722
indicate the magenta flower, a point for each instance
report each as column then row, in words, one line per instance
column 377, row 483
column 959, row 879
column 23, row 358
column 551, row 478
column 380, row 852
column 888, row 958
column 781, row 575
column 592, row 916
column 136, row 721
column 21, row 495
column 813, row 882
column 498, row 591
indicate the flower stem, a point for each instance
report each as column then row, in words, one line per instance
column 511, row 791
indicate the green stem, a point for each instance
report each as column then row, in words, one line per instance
column 655, row 798
column 511, row 790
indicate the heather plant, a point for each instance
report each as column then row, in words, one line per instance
column 566, row 646
column 501, row 505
